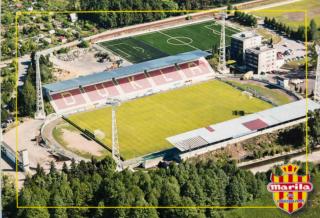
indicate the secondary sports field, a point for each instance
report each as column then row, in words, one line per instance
column 291, row 17
column 169, row 42
column 145, row 123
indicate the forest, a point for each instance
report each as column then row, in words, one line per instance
column 96, row 183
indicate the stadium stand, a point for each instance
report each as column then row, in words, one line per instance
column 216, row 134
column 129, row 82
column 68, row 99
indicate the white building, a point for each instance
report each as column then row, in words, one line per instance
column 283, row 82
column 242, row 41
column 73, row 17
column 261, row 59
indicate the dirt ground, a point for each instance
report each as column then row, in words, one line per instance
column 84, row 65
column 76, row 142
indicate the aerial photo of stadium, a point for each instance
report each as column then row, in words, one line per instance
column 169, row 88
column 151, row 111
column 160, row 108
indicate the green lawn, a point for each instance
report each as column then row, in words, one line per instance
column 133, row 50
column 197, row 36
column 273, row 94
column 294, row 19
column 169, row 42
column 145, row 123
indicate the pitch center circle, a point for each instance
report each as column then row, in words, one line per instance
column 179, row 40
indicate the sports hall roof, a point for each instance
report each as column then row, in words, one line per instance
column 125, row 71
column 242, row 126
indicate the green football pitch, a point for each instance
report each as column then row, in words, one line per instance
column 145, row 123
column 167, row 42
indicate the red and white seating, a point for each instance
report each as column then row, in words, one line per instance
column 165, row 76
column 132, row 86
column 196, row 68
column 69, row 99
column 101, row 91
column 134, row 83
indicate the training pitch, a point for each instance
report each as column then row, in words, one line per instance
column 169, row 42
column 145, row 123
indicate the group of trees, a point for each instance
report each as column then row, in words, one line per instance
column 314, row 128
column 27, row 92
column 297, row 34
column 245, row 19
column 96, row 183
column 113, row 20
column 7, row 90
column 203, row 4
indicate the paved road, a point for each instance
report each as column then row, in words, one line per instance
column 313, row 157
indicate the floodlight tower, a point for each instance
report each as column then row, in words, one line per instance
column 317, row 82
column 40, row 114
column 115, row 143
column 222, row 67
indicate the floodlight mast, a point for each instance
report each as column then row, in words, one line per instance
column 40, row 114
column 222, row 67
column 317, row 82
column 115, row 142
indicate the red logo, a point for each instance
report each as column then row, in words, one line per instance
column 290, row 191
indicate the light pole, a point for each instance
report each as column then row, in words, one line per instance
column 115, row 143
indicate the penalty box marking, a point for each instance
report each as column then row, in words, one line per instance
column 216, row 31
column 126, row 45
column 119, row 50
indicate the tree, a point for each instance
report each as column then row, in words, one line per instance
column 313, row 30
column 27, row 99
column 4, row 114
column 236, row 192
column 314, row 127
column 229, row 8
column 8, row 196
column 84, row 44
column 300, row 35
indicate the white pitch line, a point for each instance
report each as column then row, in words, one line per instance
column 215, row 31
column 179, row 40
column 121, row 43
column 125, row 53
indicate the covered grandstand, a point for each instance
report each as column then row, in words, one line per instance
column 129, row 82
column 219, row 135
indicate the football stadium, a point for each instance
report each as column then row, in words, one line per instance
column 199, row 36
column 170, row 100
column 160, row 98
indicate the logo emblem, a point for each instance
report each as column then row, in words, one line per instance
column 290, row 190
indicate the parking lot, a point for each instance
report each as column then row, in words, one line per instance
column 292, row 50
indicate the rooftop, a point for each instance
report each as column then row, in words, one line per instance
column 245, row 35
column 125, row 71
column 242, row 125
column 259, row 49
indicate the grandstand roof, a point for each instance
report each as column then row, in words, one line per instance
column 242, row 126
column 125, row 71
